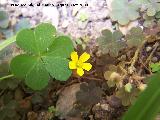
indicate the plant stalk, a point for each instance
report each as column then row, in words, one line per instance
column 7, row 42
column 6, row 77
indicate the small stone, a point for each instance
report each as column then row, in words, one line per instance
column 154, row 59
column 24, row 11
column 148, row 48
column 105, row 107
column 64, row 11
column 158, row 49
column 67, row 99
column 158, row 54
column 114, row 101
column 75, row 10
column 65, row 24
column 13, row 21
column 3, row 2
column 51, row 14
column 82, row 25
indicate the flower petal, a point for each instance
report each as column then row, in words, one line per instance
column 74, row 56
column 84, row 57
column 72, row 65
column 80, row 71
column 87, row 66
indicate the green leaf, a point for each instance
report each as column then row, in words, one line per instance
column 83, row 16
column 147, row 105
column 49, row 56
column 38, row 40
column 155, row 67
column 57, row 67
column 128, row 87
column 4, row 19
column 37, row 78
column 157, row 15
column 22, row 64
column 153, row 6
column 151, row 11
column 32, row 69
column 135, row 37
column 110, row 42
column 123, row 11
column 62, row 47
column 127, row 98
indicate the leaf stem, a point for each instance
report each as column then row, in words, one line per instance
column 7, row 42
column 5, row 77
column 135, row 58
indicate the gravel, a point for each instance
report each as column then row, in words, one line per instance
column 65, row 19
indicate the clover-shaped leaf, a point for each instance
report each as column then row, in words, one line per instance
column 153, row 7
column 135, row 37
column 113, row 76
column 123, row 11
column 110, row 42
column 155, row 67
column 128, row 87
column 45, row 55
column 4, row 19
column 127, row 98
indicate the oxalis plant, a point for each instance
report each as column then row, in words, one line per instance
column 45, row 54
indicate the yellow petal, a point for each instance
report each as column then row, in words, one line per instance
column 84, row 57
column 87, row 66
column 80, row 71
column 74, row 56
column 72, row 65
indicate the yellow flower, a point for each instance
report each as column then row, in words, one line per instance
column 80, row 64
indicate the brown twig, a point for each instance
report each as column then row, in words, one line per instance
column 153, row 51
column 135, row 58
column 149, row 58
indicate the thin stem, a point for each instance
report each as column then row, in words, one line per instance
column 5, row 77
column 7, row 42
column 135, row 58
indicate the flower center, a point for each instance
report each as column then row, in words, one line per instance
column 79, row 64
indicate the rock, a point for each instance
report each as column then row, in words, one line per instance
column 51, row 14
column 154, row 59
column 78, row 98
column 148, row 48
column 65, row 24
column 82, row 25
column 158, row 54
column 105, row 107
column 75, row 10
column 99, row 26
column 13, row 21
column 77, row 7
column 99, row 113
column 114, row 101
column 125, row 29
column 67, row 99
column 64, row 11
column 99, row 14
column 3, row 2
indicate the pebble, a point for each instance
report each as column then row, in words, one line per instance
column 2, row 2
column 65, row 18
column 51, row 13
column 82, row 25
column 148, row 48
column 105, row 107
column 158, row 54
column 154, row 59
column 65, row 24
